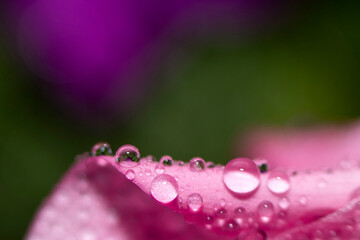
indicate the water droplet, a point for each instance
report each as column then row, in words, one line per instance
column 221, row 213
column 240, row 211
column 159, row 169
column 265, row 211
column 166, row 160
column 210, row 165
column 127, row 156
column 130, row 174
column 240, row 215
column 164, row 188
column 194, row 202
column 209, row 220
column 241, row 176
column 222, row 202
column 197, row 164
column 100, row 149
column 263, row 168
column 181, row 163
column 303, row 200
column 278, row 182
column 284, row 203
column 231, row 227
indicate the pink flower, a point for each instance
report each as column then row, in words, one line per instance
column 306, row 189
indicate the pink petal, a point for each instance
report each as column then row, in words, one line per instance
column 312, row 148
column 101, row 198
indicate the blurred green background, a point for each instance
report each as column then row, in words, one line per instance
column 306, row 71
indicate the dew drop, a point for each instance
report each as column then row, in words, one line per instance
column 222, row 202
column 241, row 176
column 181, row 163
column 263, row 168
column 209, row 219
column 231, row 226
column 240, row 211
column 130, row 174
column 240, row 215
column 159, row 169
column 284, row 203
column 166, row 160
column 221, row 213
column 278, row 182
column 164, row 188
column 194, row 202
column 101, row 149
column 265, row 211
column 303, row 200
column 210, row 165
column 197, row 164
column 127, row 156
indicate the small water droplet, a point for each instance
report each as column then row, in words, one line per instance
column 210, row 165
column 194, row 202
column 101, row 149
column 240, row 211
column 265, row 211
column 231, row 227
column 130, row 174
column 209, row 219
column 221, row 213
column 181, row 163
column 278, row 182
column 159, row 169
column 263, row 168
column 197, row 164
column 166, row 160
column 127, row 156
column 222, row 202
column 284, row 203
column 241, row 176
column 164, row 188
column 303, row 200
column 240, row 215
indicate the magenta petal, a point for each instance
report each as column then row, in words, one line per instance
column 101, row 198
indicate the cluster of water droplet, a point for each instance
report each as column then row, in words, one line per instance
column 241, row 176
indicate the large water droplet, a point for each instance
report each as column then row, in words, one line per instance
column 194, row 202
column 241, row 176
column 127, row 156
column 164, row 188
column 166, row 160
column 130, row 174
column 278, row 182
column 197, row 164
column 265, row 211
column 101, row 149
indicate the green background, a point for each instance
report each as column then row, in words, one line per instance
column 306, row 71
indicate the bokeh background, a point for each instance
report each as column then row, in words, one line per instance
column 205, row 80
